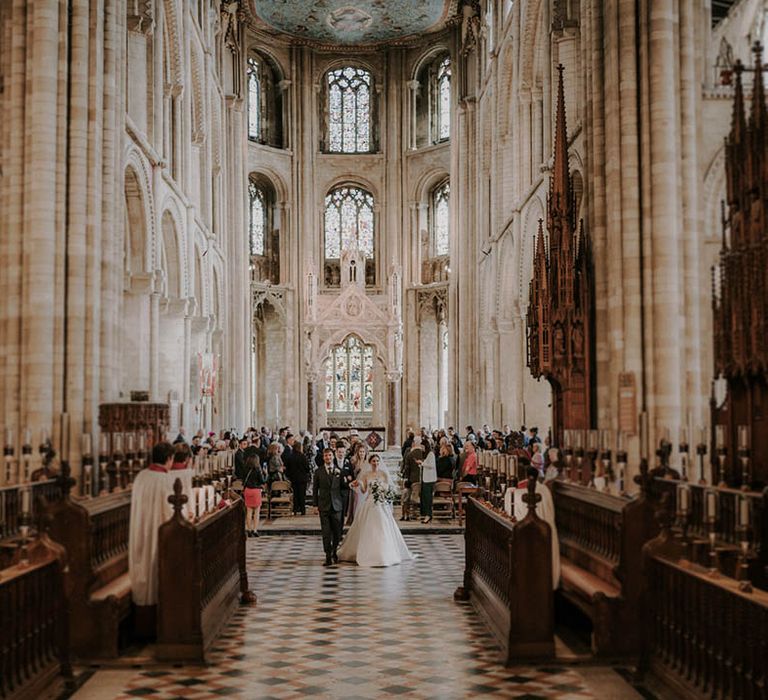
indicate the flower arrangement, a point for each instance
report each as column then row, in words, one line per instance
column 381, row 493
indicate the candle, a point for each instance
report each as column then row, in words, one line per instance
column 211, row 497
column 744, row 512
column 85, row 443
column 619, row 441
column 683, row 498
column 684, row 436
column 117, row 443
column 711, row 504
column 720, row 437
column 45, row 437
column 142, row 441
column 702, row 435
column 25, row 499
column 27, row 437
column 196, row 500
column 743, row 437
column 131, row 441
column 9, row 437
column 201, row 496
column 104, row 443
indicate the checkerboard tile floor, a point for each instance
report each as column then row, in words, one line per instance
column 348, row 632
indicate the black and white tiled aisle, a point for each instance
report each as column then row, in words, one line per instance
column 348, row 632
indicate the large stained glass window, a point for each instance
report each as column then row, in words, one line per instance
column 348, row 219
column 349, row 378
column 441, row 218
column 254, row 99
column 442, row 92
column 349, row 110
column 257, row 200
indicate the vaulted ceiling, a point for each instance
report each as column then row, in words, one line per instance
column 353, row 22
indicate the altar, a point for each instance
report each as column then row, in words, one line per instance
column 375, row 437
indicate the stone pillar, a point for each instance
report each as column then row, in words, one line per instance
column 413, row 87
column 186, row 389
column 394, row 383
column 154, row 345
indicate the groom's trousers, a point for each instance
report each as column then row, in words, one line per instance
column 331, row 525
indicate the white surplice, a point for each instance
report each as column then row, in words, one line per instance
column 545, row 509
column 149, row 510
column 374, row 539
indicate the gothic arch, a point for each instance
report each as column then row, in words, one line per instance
column 714, row 192
column 355, row 180
column 427, row 181
column 426, row 57
column 274, row 179
column 339, row 338
column 138, row 233
column 172, row 256
column 531, row 37
column 355, row 62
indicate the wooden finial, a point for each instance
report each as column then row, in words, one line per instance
column 531, row 498
column 178, row 499
column 66, row 482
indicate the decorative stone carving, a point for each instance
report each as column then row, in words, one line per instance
column 141, row 16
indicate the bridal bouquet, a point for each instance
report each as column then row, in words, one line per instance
column 382, row 493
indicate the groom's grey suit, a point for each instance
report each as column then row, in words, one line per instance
column 327, row 489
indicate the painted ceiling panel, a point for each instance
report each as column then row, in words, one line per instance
column 352, row 21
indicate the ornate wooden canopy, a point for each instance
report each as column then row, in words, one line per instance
column 560, row 310
column 740, row 293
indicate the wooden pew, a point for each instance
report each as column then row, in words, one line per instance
column 508, row 579
column 601, row 537
column 706, row 636
column 94, row 532
column 34, row 649
column 202, row 573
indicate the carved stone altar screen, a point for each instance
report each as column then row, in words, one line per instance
column 560, row 311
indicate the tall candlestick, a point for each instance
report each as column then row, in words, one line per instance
column 683, row 495
column 720, row 436
column 86, row 444
column 711, row 504
column 25, row 500
column 744, row 511
column 8, row 437
column 27, row 437
column 743, row 432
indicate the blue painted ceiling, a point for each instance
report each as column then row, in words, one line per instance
column 352, row 22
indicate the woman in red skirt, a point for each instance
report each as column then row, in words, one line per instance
column 253, row 482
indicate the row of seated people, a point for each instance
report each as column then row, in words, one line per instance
column 137, row 564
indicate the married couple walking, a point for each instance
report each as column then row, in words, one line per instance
column 373, row 538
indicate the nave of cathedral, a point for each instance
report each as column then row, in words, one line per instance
column 293, row 291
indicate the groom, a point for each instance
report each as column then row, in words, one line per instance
column 327, row 489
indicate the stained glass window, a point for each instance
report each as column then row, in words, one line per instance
column 349, row 110
column 254, row 99
column 258, row 217
column 348, row 218
column 349, row 378
column 442, row 92
column 441, row 218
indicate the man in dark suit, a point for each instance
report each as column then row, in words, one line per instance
column 327, row 490
column 298, row 473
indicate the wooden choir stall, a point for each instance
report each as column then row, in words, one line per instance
column 508, row 578
column 202, row 577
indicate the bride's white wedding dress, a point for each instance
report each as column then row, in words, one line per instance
column 374, row 539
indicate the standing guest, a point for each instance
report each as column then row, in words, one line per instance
column 468, row 463
column 196, row 444
column 446, row 463
column 407, row 443
column 149, row 510
column 253, row 484
column 275, row 466
column 327, row 493
column 411, row 475
column 181, row 469
column 322, row 443
column 428, row 479
column 341, row 462
column 453, row 436
column 357, row 463
column 298, row 473
column 537, row 457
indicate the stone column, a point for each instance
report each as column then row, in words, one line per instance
column 154, row 343
column 394, row 383
column 186, row 389
column 413, row 87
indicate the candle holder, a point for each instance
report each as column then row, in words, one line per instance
column 701, row 453
column 621, row 461
column 683, row 517
column 745, row 554
column 605, row 458
column 744, row 455
column 88, row 476
column 721, row 455
column 683, row 448
column 25, row 521
column 714, row 562
column 8, row 463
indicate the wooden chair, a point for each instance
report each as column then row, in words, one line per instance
column 464, row 489
column 279, row 499
column 443, row 505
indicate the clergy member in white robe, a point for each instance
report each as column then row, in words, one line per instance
column 149, row 510
column 545, row 509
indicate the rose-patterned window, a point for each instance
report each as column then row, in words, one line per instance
column 349, row 378
column 348, row 220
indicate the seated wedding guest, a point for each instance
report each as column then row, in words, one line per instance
column 253, row 483
column 298, row 472
column 468, row 463
column 446, row 462
column 545, row 509
column 149, row 510
column 181, row 468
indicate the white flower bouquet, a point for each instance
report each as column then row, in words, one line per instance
column 381, row 493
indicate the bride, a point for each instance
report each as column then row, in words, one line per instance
column 374, row 538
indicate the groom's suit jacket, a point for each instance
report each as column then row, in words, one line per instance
column 327, row 489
